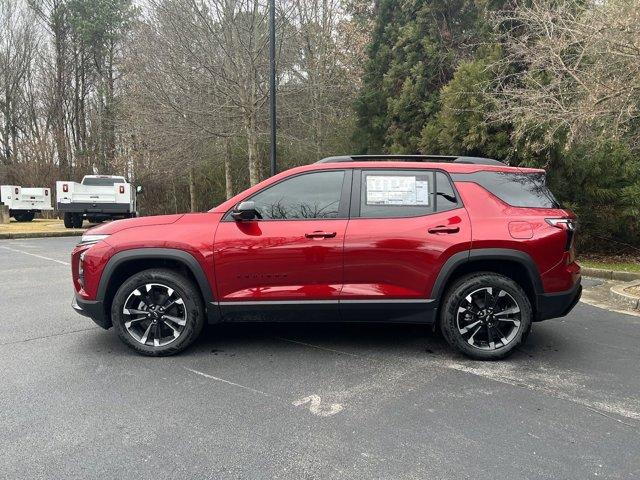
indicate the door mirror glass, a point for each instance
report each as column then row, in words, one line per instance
column 245, row 211
column 139, row 189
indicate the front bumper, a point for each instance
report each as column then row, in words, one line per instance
column 94, row 309
column 554, row 305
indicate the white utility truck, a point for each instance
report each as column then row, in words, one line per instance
column 24, row 203
column 96, row 198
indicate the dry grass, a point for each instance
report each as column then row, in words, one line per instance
column 39, row 225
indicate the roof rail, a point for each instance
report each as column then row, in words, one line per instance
column 413, row 158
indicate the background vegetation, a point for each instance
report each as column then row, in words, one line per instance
column 173, row 93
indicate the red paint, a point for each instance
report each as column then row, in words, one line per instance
column 396, row 258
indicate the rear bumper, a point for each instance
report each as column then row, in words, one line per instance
column 92, row 309
column 554, row 305
column 114, row 208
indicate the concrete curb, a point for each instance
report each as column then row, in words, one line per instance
column 11, row 235
column 620, row 296
column 610, row 274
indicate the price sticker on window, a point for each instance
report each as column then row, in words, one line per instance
column 396, row 190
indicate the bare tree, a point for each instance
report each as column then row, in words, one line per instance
column 570, row 66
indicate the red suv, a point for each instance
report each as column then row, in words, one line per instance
column 470, row 244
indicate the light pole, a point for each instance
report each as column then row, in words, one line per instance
column 272, row 83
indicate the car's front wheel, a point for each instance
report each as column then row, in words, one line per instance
column 158, row 312
column 485, row 316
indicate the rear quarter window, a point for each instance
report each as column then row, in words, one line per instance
column 516, row 189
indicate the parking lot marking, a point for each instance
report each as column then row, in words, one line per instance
column 317, row 346
column 606, row 409
column 316, row 407
column 36, row 255
column 206, row 375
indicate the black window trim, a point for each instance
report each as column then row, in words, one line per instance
column 356, row 191
column 343, row 207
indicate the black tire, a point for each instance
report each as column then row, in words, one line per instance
column 68, row 220
column 459, row 317
column 77, row 220
column 191, row 307
column 24, row 216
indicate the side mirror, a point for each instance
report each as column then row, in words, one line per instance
column 245, row 211
column 139, row 190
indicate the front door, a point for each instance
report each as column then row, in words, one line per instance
column 292, row 256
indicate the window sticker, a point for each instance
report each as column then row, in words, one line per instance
column 396, row 190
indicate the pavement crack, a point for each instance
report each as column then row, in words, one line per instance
column 47, row 336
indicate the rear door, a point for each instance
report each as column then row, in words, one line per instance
column 290, row 260
column 404, row 225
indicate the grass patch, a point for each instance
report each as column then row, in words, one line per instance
column 621, row 266
column 38, row 225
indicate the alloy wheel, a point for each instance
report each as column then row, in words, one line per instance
column 488, row 318
column 154, row 314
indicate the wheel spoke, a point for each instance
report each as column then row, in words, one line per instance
column 180, row 321
column 469, row 327
column 145, row 336
column 176, row 332
column 129, row 322
column 490, row 341
column 134, row 311
column 512, row 320
column 471, row 340
column 157, row 334
column 508, row 311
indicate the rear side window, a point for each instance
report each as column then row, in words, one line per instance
column 396, row 193
column 515, row 189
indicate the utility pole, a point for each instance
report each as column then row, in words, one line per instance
column 272, row 83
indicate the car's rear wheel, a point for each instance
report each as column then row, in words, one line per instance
column 158, row 312
column 486, row 316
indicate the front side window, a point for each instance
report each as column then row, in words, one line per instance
column 312, row 195
column 396, row 193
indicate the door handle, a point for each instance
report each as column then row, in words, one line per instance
column 444, row 229
column 320, row 234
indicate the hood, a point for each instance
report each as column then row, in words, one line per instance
column 118, row 225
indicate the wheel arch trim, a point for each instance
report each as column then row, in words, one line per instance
column 460, row 258
column 180, row 256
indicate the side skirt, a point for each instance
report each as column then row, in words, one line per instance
column 421, row 311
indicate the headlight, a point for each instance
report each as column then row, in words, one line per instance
column 91, row 239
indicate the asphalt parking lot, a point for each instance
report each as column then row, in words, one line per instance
column 320, row 401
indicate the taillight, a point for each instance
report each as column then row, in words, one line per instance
column 65, row 187
column 568, row 224
column 121, row 188
column 16, row 190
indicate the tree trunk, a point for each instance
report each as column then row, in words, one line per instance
column 228, row 184
column 252, row 150
column 192, row 191
column 59, row 33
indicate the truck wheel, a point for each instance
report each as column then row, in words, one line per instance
column 77, row 220
column 485, row 316
column 68, row 220
column 24, row 216
column 158, row 312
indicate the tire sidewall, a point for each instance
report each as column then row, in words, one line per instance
column 184, row 288
column 462, row 288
